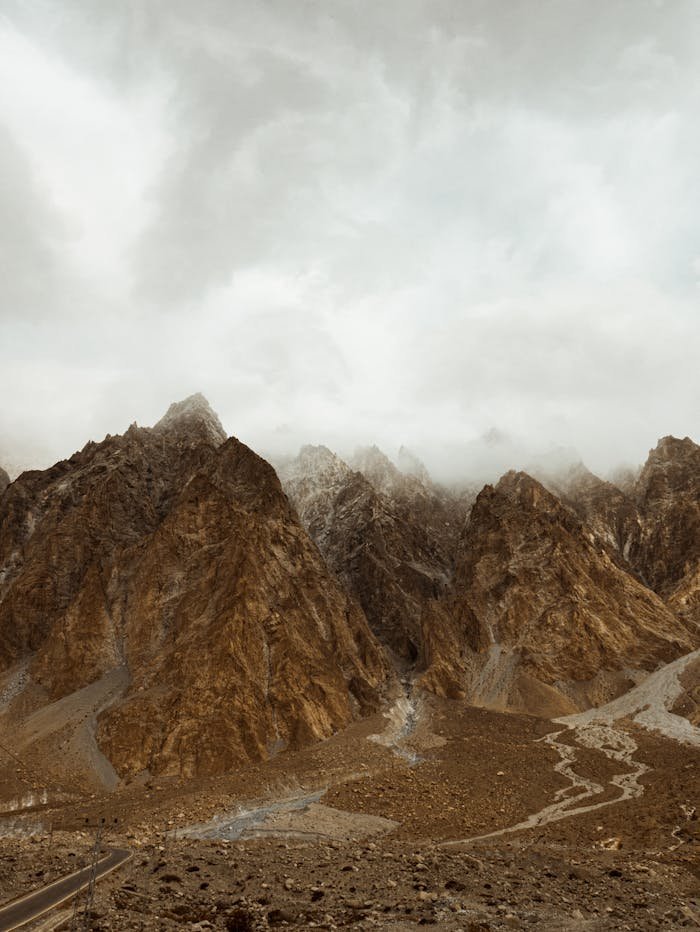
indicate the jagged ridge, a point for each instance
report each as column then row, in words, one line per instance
column 174, row 554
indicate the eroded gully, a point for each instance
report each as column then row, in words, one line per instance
column 648, row 705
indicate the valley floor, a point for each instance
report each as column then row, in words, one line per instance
column 357, row 833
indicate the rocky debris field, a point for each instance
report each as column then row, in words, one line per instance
column 366, row 849
column 27, row 863
column 272, row 884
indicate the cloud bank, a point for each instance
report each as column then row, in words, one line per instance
column 408, row 222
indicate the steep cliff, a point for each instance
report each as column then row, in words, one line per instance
column 384, row 554
column 416, row 498
column 608, row 512
column 652, row 521
column 542, row 616
column 172, row 554
column 667, row 549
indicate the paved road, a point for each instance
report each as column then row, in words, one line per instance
column 33, row 905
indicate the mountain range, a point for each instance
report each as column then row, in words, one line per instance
column 170, row 604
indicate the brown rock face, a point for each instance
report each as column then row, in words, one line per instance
column 607, row 511
column 173, row 553
column 416, row 498
column 546, row 617
column 386, row 536
column 652, row 520
column 667, row 550
column 4, row 480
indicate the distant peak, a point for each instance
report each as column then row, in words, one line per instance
column 555, row 462
column 670, row 447
column 372, row 457
column 410, row 465
column 193, row 412
column 521, row 487
column 315, row 458
column 317, row 452
column 377, row 468
column 316, row 465
column 372, row 453
column 515, row 478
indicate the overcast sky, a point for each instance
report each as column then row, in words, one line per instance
column 348, row 222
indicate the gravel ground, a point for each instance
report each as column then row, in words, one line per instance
column 341, row 861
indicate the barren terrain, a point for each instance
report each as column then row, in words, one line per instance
column 356, row 832
column 376, row 703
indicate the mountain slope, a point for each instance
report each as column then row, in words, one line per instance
column 653, row 523
column 416, row 498
column 386, row 558
column 542, row 616
column 607, row 511
column 172, row 554
column 667, row 551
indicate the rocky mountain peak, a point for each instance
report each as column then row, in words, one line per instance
column 381, row 532
column 320, row 459
column 4, row 480
column 674, row 448
column 667, row 553
column 672, row 464
column 520, row 502
column 610, row 514
column 576, row 475
column 377, row 468
column 193, row 415
column 173, row 561
column 411, row 465
column 315, row 469
column 544, row 611
column 521, row 489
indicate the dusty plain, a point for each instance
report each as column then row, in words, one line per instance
column 352, row 833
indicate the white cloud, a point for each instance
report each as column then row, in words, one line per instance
column 400, row 222
column 95, row 152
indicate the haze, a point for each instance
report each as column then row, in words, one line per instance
column 409, row 222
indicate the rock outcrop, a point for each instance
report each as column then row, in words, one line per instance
column 652, row 521
column 608, row 512
column 542, row 617
column 386, row 555
column 4, row 480
column 173, row 554
column 416, row 498
column 667, row 549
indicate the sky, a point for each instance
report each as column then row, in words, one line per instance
column 467, row 226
